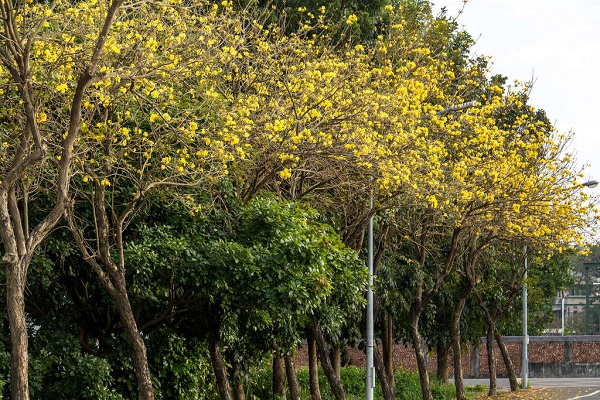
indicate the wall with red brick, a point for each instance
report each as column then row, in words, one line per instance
column 569, row 350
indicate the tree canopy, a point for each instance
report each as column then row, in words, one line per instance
column 197, row 176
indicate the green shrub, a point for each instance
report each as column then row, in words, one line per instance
column 408, row 386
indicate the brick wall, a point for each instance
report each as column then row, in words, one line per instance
column 551, row 350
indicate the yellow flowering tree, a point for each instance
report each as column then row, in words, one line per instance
column 505, row 177
column 38, row 129
column 514, row 183
column 132, row 93
column 158, row 119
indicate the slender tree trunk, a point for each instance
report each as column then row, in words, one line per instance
column 216, row 358
column 386, row 387
column 238, row 390
column 290, row 372
column 335, row 385
column 336, row 359
column 140, row 358
column 443, row 351
column 15, row 305
column 278, row 376
column 491, row 359
column 385, row 375
column 421, row 364
column 512, row 377
column 388, row 348
column 238, row 386
column 313, row 367
column 458, row 375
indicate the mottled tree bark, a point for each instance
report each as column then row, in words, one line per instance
column 512, row 377
column 456, row 350
column 216, row 358
column 278, row 375
column 15, row 305
column 491, row 360
column 238, row 385
column 336, row 359
column 443, row 351
column 421, row 364
column 387, row 342
column 335, row 384
column 290, row 372
column 140, row 359
column 382, row 374
column 238, row 390
column 313, row 367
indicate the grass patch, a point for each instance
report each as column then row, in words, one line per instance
column 476, row 388
column 408, row 386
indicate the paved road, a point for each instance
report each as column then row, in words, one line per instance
column 573, row 388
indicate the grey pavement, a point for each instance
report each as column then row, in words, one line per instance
column 574, row 388
column 543, row 382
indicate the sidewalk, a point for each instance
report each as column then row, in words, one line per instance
column 543, row 389
column 550, row 393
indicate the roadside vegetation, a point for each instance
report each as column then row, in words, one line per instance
column 186, row 185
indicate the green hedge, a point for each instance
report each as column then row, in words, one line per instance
column 407, row 385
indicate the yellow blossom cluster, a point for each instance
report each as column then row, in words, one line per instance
column 193, row 91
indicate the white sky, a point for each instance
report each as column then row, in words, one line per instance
column 558, row 43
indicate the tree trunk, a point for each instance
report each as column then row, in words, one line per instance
column 238, row 386
column 278, row 376
column 512, row 377
column 388, row 348
column 421, row 364
column 140, row 358
column 313, row 367
column 15, row 306
column 458, row 376
column 336, row 359
column 238, row 390
column 290, row 371
column 386, row 387
column 335, row 385
column 491, row 359
column 216, row 359
column 443, row 351
column 385, row 374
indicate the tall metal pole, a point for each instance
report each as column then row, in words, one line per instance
column 562, row 315
column 370, row 383
column 524, row 355
column 587, row 299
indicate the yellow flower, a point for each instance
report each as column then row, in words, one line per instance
column 285, row 174
column 351, row 19
column 62, row 88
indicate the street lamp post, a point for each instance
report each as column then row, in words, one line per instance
column 590, row 184
column 524, row 353
column 587, row 299
column 587, row 266
column 370, row 323
column 562, row 316
column 370, row 367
